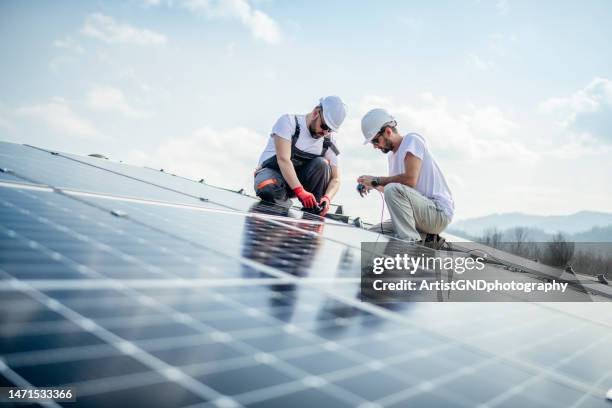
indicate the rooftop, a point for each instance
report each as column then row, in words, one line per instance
column 136, row 285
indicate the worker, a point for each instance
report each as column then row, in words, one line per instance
column 419, row 200
column 301, row 158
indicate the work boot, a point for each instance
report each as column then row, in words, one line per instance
column 434, row 241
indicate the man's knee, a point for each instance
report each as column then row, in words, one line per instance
column 393, row 191
column 270, row 190
column 319, row 162
column 319, row 165
column 270, row 194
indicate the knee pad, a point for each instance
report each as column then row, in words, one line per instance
column 270, row 192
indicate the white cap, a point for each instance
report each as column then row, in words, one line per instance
column 334, row 111
column 373, row 121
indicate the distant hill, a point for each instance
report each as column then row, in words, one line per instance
column 579, row 222
column 595, row 234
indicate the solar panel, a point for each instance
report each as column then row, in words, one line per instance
column 119, row 282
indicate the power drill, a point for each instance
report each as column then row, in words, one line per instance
column 361, row 189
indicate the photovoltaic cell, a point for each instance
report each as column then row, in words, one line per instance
column 145, row 303
column 42, row 167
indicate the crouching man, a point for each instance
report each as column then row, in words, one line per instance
column 301, row 157
column 417, row 195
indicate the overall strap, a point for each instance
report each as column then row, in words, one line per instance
column 296, row 134
column 328, row 144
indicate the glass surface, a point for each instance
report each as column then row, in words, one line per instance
column 38, row 166
column 172, row 306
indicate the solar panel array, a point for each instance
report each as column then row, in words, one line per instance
column 137, row 287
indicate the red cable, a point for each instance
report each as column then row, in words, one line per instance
column 382, row 213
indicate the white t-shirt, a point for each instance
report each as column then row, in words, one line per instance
column 285, row 128
column 431, row 182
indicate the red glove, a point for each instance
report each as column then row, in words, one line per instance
column 308, row 199
column 324, row 204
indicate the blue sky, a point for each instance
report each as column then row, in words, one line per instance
column 513, row 97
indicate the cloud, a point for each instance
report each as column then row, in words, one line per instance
column 109, row 99
column 69, row 44
column 111, row 31
column 262, row 26
column 478, row 133
column 207, row 153
column 58, row 63
column 585, row 112
column 475, row 61
column 58, row 115
column 575, row 149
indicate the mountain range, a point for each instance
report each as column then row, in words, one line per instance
column 582, row 226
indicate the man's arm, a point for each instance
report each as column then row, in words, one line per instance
column 334, row 182
column 412, row 165
column 283, row 157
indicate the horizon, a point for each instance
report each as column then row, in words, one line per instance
column 536, row 215
column 514, row 107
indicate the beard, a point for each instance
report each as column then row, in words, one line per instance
column 313, row 131
column 388, row 147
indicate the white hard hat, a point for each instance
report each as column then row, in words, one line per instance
column 373, row 121
column 334, row 111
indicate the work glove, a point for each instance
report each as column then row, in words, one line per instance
column 308, row 199
column 324, row 204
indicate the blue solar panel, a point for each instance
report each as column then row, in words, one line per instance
column 180, row 303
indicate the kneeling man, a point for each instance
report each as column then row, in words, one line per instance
column 416, row 193
column 301, row 157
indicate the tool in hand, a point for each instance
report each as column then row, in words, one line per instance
column 361, row 189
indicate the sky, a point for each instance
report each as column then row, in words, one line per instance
column 514, row 98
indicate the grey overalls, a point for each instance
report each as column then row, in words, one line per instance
column 313, row 171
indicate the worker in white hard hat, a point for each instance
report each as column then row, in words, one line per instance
column 301, row 157
column 417, row 195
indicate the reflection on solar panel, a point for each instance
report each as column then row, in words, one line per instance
column 137, row 287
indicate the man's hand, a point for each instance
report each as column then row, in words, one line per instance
column 365, row 180
column 308, row 199
column 363, row 190
column 324, row 204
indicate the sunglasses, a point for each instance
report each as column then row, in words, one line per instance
column 323, row 124
column 375, row 139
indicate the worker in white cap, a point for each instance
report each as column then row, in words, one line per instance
column 301, row 157
column 417, row 195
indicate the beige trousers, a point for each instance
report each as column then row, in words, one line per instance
column 412, row 214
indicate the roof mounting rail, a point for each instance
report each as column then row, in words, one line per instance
column 119, row 213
